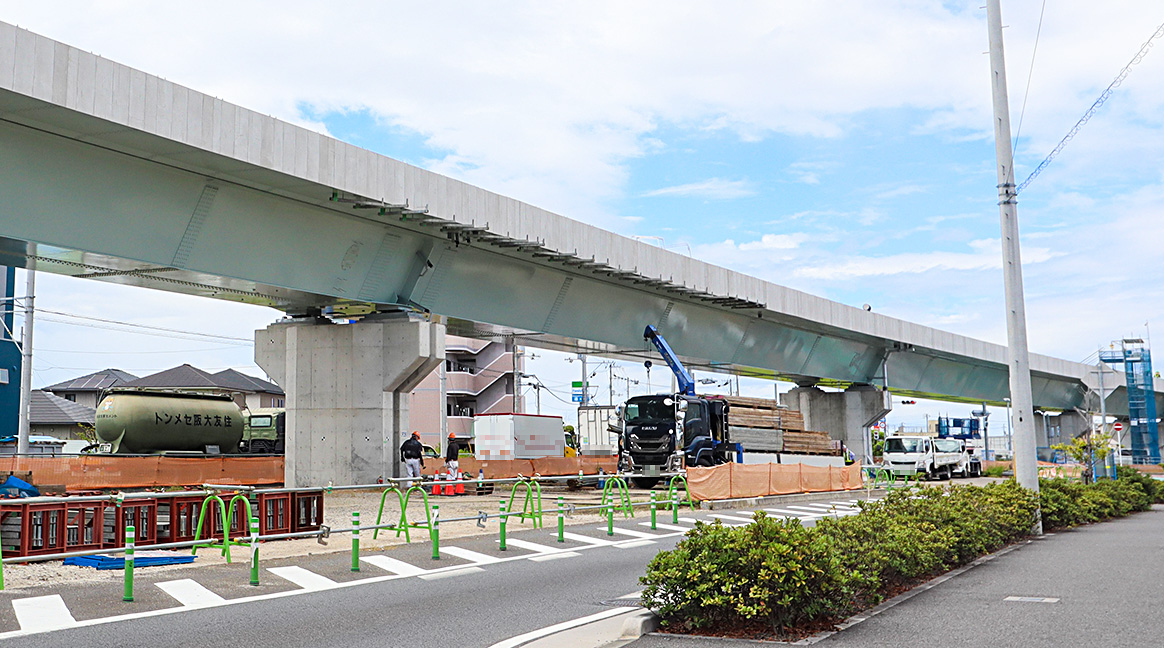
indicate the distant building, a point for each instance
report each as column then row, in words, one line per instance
column 88, row 390
column 248, row 391
column 51, row 415
column 477, row 377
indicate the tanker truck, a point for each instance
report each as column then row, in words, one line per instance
column 158, row 422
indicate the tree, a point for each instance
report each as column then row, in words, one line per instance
column 1088, row 449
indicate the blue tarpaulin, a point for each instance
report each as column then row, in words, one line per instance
column 14, row 487
column 118, row 562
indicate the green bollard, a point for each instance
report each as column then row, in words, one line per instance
column 561, row 521
column 610, row 519
column 355, row 541
column 128, row 596
column 1, row 568
column 503, row 519
column 436, row 532
column 653, row 520
column 675, row 509
column 254, row 551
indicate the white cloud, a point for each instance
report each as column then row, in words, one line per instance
column 713, row 188
column 776, row 242
column 987, row 255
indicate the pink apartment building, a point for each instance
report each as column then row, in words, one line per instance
column 478, row 377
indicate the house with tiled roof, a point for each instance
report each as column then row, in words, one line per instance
column 89, row 389
column 248, row 391
column 51, row 415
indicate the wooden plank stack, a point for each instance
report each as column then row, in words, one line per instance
column 759, row 425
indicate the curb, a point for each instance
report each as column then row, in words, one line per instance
column 640, row 623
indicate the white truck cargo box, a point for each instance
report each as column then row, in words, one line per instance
column 518, row 436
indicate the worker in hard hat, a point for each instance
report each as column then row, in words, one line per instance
column 452, row 452
column 412, row 451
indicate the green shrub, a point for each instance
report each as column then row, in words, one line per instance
column 994, row 471
column 778, row 572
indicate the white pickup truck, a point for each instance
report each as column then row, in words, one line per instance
column 925, row 456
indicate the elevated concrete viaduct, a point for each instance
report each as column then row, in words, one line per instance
column 113, row 174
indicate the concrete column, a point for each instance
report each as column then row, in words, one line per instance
column 846, row 416
column 347, row 393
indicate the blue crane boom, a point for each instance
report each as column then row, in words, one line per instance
column 686, row 384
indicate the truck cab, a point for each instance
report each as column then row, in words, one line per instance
column 665, row 432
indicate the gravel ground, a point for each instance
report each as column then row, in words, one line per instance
column 338, row 508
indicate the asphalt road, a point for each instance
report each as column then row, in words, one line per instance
column 1098, row 585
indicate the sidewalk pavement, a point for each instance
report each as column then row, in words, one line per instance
column 1097, row 585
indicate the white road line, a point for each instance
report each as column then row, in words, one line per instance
column 522, row 639
column 533, row 546
column 687, row 520
column 631, row 544
column 42, row 613
column 308, row 580
column 848, row 504
column 451, row 573
column 731, row 518
column 807, row 509
column 586, row 539
column 796, row 514
column 554, row 556
column 632, row 533
column 189, row 593
column 814, row 507
column 666, row 527
column 471, row 556
column 393, row 565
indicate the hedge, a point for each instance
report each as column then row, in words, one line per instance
column 779, row 574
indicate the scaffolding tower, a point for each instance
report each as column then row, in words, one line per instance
column 1134, row 355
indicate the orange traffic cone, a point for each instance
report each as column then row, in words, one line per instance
column 460, row 484
column 448, row 487
column 436, row 483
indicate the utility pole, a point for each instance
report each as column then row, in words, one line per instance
column 1018, row 358
column 22, row 426
column 610, row 380
column 516, row 379
column 585, row 387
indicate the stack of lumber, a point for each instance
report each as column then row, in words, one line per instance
column 809, row 443
column 759, row 425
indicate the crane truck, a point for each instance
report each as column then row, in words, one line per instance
column 666, row 432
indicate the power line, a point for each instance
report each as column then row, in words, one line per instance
column 1093, row 109
column 1030, row 73
column 159, row 331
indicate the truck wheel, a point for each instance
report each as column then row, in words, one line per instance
column 645, row 482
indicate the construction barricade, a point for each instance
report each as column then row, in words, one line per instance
column 733, row 480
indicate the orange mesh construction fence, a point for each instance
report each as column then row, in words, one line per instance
column 107, row 472
column 757, row 480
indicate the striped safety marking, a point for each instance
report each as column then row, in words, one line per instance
column 43, row 613
column 189, row 593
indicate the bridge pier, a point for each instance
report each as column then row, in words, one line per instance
column 347, row 392
column 846, row 415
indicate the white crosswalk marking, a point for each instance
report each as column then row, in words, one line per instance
column 308, row 580
column 731, row 518
column 632, row 533
column 393, row 565
column 796, row 514
column 848, row 504
column 450, row 573
column 666, row 527
column 542, row 557
column 807, row 509
column 586, row 539
column 533, row 546
column 471, row 556
column 189, row 593
column 816, row 507
column 42, row 613
column 631, row 544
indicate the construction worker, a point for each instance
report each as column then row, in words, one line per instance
column 451, row 453
column 413, row 453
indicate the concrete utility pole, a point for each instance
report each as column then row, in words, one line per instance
column 585, row 387
column 22, row 426
column 1018, row 359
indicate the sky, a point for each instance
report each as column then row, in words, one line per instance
column 841, row 148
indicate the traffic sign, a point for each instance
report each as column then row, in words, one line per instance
column 1118, row 426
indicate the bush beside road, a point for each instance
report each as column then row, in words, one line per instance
column 777, row 579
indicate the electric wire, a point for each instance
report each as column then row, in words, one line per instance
column 1030, row 73
column 144, row 326
column 1123, row 74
